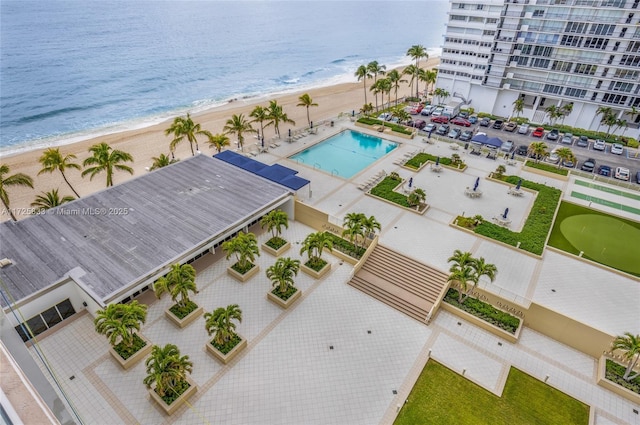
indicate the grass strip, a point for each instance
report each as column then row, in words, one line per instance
column 608, row 189
column 443, row 397
column 600, row 201
column 546, row 167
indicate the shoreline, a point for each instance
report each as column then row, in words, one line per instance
column 150, row 141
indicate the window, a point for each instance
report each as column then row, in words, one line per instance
column 613, row 3
column 523, row 60
column 542, row 51
column 579, row 93
column 45, row 320
column 620, row 86
column 461, row 5
column 605, row 72
column 576, row 27
column 595, row 43
column 562, row 66
column 550, row 88
column 601, row 29
column 571, row 40
column 630, row 60
column 634, row 46
column 540, row 63
column 51, row 317
column 538, row 13
column 458, row 18
column 479, row 6
column 627, row 74
column 614, row 98
column 582, row 68
column 492, row 21
column 487, row 32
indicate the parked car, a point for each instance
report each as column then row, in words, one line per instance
column 522, row 150
column 622, row 173
column 599, row 145
column 568, row 163
column 553, row 134
column 553, row 157
column 461, row 121
column 466, row 135
column 604, row 170
column 419, row 124
column 440, row 119
column 617, row 148
column 567, row 139
column 484, row 122
column 438, row 111
column 443, row 129
column 429, row 127
column 463, row 114
column 523, row 129
column 510, row 126
column 506, row 146
column 473, row 119
column 454, row 133
column 427, row 110
column 416, row 109
column 583, row 142
column 589, row 165
column 538, row 132
column 638, row 177
column 385, row 116
column 498, row 124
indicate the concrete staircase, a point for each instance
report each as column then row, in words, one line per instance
column 400, row 282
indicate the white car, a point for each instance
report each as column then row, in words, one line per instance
column 384, row 117
column 622, row 173
column 523, row 129
column 437, row 112
column 599, row 145
column 553, row 157
column 617, row 148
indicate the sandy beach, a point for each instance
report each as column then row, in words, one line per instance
column 146, row 143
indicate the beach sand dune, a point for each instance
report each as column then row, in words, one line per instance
column 146, row 143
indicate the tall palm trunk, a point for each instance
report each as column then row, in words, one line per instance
column 6, row 207
column 69, row 184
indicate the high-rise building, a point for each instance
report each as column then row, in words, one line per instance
column 581, row 56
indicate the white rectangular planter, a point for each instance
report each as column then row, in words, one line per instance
column 182, row 323
column 226, row 358
column 135, row 358
column 315, row 274
column 169, row 409
column 276, row 253
column 243, row 277
column 612, row 386
column 282, row 303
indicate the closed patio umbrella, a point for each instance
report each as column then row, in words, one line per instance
column 506, row 211
column 437, row 161
column 475, row 186
column 410, row 181
column 519, row 184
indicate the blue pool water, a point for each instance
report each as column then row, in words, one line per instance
column 346, row 153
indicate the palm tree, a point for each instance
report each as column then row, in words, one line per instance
column 306, row 101
column 604, row 112
column 363, row 73
column 376, row 69
column 401, row 114
column 314, row 244
column 276, row 116
column 539, row 150
column 566, row 109
column 274, row 221
column 353, row 225
column 395, row 78
column 105, row 159
column 260, row 115
column 217, row 141
column 431, row 75
column 441, row 94
column 416, row 197
column 184, row 127
column 18, row 179
column 417, row 52
column 630, row 345
column 462, row 276
column 220, row 323
column 482, row 268
column 178, row 283
column 518, row 106
column 460, row 259
column 53, row 160
column 120, row 322
column 238, row 125
column 565, row 154
column 167, row 370
column 367, row 108
column 281, row 274
column 161, row 161
column 50, row 199
column 370, row 225
column 553, row 112
column 413, row 72
column 245, row 247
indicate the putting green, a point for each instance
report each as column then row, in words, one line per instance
column 606, row 240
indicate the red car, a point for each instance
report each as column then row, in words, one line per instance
column 461, row 121
column 538, row 132
column 416, row 110
column 441, row 119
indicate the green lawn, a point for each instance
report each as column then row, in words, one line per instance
column 602, row 238
column 442, row 397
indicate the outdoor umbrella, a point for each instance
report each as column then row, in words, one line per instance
column 513, row 154
column 475, row 186
column 519, row 184
column 410, row 181
column 437, row 161
column 289, row 132
column 506, row 211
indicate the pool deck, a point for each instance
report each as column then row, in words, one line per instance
column 340, row 357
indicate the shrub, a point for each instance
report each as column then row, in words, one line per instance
column 384, row 190
column 126, row 352
column 484, row 311
column 183, row 311
column 227, row 346
column 547, row 167
column 276, row 243
column 394, row 127
column 422, row 157
column 346, row 247
column 615, row 372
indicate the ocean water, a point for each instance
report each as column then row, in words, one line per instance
column 72, row 68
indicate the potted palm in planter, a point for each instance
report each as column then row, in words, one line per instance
column 274, row 221
column 178, row 283
column 359, row 226
column 226, row 343
column 281, row 274
column 168, row 378
column 121, row 324
column 314, row 244
column 245, row 247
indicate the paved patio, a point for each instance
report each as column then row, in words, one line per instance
column 289, row 374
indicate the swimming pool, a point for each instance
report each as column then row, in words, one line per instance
column 345, row 154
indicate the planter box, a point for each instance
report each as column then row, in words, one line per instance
column 315, row 274
column 184, row 322
column 276, row 253
column 612, row 386
column 226, row 358
column 282, row 303
column 134, row 359
column 243, row 277
column 169, row 409
column 483, row 324
column 545, row 173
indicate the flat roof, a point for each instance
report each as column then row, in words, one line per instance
column 121, row 234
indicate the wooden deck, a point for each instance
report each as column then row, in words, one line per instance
column 401, row 282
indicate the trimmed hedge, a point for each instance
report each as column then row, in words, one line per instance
column 534, row 233
column 227, row 346
column 417, row 161
column 126, row 352
column 484, row 311
column 346, row 247
column 182, row 312
column 384, row 190
column 614, row 373
column 394, row 127
column 546, row 167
